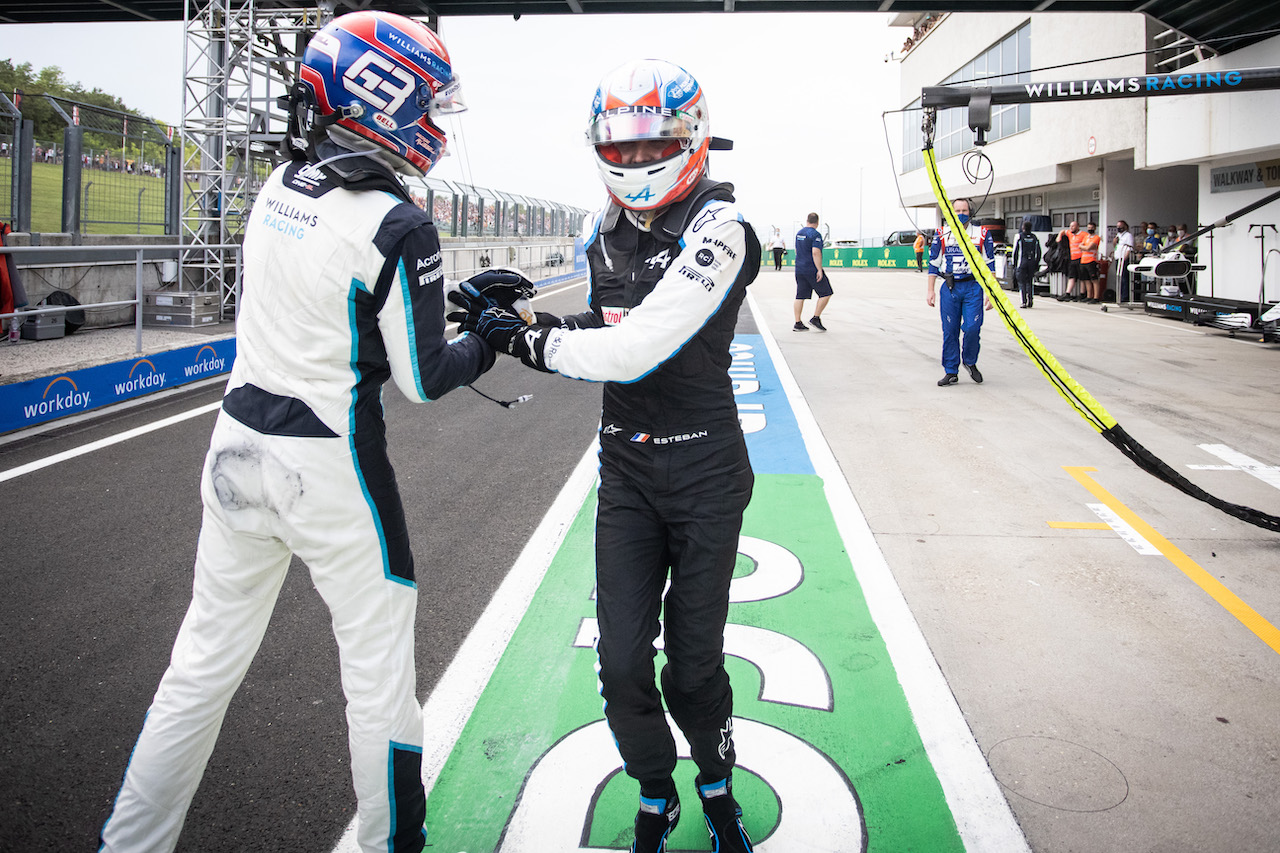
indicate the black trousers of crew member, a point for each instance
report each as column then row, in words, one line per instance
column 678, row 508
column 1025, row 276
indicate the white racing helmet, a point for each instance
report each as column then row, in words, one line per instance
column 650, row 99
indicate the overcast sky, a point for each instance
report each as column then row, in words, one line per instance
column 801, row 95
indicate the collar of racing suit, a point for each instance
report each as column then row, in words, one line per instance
column 671, row 220
column 358, row 174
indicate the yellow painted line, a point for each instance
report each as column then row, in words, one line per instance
column 1251, row 619
column 1079, row 525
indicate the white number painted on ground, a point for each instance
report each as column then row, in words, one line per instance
column 818, row 801
column 790, row 674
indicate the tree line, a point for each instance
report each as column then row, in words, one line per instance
column 29, row 85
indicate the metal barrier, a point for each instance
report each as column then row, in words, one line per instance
column 538, row 261
column 73, row 254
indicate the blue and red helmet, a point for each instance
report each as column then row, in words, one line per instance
column 650, row 100
column 382, row 77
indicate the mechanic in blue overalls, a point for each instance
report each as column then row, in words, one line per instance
column 963, row 299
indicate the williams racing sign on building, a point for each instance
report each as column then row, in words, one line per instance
column 35, row 401
column 1144, row 86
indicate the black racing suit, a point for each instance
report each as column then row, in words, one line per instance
column 1026, row 262
column 674, row 472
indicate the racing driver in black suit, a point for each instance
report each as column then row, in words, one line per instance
column 670, row 259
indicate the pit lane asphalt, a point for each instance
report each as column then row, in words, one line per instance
column 99, row 577
column 1120, row 707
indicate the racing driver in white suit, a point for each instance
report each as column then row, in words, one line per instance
column 342, row 291
column 670, row 259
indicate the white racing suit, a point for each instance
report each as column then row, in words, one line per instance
column 674, row 473
column 343, row 290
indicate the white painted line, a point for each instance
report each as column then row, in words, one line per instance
column 454, row 698
column 1126, row 530
column 105, row 442
column 1268, row 474
column 982, row 815
column 445, row 712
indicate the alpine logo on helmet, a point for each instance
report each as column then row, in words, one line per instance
column 650, row 100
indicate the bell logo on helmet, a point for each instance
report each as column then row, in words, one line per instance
column 362, row 81
column 386, row 121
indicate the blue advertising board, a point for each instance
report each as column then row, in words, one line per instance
column 35, row 401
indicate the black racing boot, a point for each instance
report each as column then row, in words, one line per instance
column 724, row 817
column 655, row 820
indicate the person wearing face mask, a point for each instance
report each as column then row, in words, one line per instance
column 1072, row 235
column 1149, row 244
column 1089, row 265
column 1152, row 245
column 963, row 299
column 1120, row 259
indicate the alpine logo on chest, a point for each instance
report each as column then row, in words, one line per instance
column 659, row 261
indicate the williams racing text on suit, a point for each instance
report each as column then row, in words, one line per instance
column 342, row 292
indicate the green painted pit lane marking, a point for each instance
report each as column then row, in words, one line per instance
column 847, row 736
column 837, row 741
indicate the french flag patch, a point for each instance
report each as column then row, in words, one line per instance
column 641, row 437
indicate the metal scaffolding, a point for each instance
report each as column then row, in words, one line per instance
column 239, row 57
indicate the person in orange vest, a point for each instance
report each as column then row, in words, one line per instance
column 920, row 251
column 1089, row 265
column 1073, row 269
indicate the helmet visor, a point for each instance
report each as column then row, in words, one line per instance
column 630, row 124
column 447, row 101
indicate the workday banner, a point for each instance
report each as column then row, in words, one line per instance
column 35, row 401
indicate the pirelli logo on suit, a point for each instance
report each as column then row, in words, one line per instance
column 693, row 275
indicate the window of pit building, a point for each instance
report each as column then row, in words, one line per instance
column 1006, row 62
